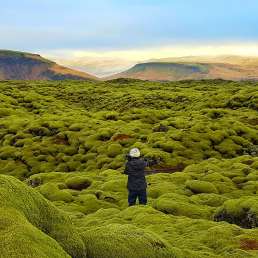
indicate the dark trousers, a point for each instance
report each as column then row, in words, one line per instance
column 134, row 194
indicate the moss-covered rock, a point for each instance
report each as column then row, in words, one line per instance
column 197, row 186
column 29, row 208
column 19, row 238
column 180, row 205
column 114, row 150
column 116, row 240
column 53, row 193
column 204, row 130
column 89, row 203
column 242, row 211
column 78, row 182
column 210, row 199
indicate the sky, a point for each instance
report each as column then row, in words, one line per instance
column 129, row 29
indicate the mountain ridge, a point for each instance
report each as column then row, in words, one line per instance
column 180, row 69
column 229, row 59
column 16, row 65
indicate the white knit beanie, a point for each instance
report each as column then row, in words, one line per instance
column 135, row 153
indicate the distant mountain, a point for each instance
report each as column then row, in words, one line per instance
column 194, row 68
column 26, row 66
column 225, row 59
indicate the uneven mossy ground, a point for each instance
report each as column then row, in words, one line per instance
column 68, row 140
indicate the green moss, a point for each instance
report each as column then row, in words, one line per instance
column 90, row 156
column 114, row 150
column 115, row 185
column 217, row 136
column 255, row 164
column 112, row 115
column 78, row 182
column 8, row 152
column 5, row 112
column 118, row 163
column 157, row 155
column 19, row 238
column 13, row 168
column 30, row 206
column 104, row 134
column 39, row 131
column 53, row 193
column 77, row 127
column 197, row 186
column 180, row 205
column 228, row 147
column 215, row 113
column 167, row 146
column 240, row 141
column 73, row 165
column 116, row 240
column 220, row 236
column 70, row 150
column 242, row 211
column 156, row 188
column 88, row 203
column 42, row 167
column 62, row 167
column 240, row 179
column 210, row 199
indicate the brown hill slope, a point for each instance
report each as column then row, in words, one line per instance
column 225, row 59
column 174, row 71
column 26, row 66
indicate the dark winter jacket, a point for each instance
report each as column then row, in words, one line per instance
column 134, row 168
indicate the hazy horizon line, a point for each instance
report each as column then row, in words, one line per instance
column 107, row 62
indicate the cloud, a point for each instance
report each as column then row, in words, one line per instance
column 140, row 54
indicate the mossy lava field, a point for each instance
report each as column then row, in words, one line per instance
column 63, row 148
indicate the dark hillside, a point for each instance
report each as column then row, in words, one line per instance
column 26, row 66
column 177, row 71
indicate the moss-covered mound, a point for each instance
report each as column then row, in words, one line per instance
column 33, row 227
column 68, row 142
column 181, row 205
column 178, row 236
column 28, row 218
column 19, row 238
column 243, row 212
column 197, row 186
column 78, row 126
column 127, row 241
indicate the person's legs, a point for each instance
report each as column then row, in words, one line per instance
column 132, row 195
column 142, row 195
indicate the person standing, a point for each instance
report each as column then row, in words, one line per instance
column 136, row 183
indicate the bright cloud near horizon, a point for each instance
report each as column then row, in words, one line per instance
column 130, row 30
column 247, row 49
